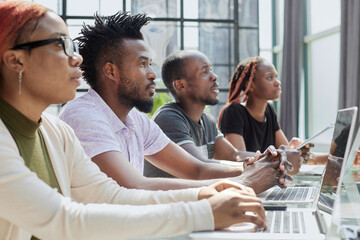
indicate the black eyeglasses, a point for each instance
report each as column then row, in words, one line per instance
column 68, row 45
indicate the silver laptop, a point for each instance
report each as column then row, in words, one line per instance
column 340, row 146
column 305, row 223
column 290, row 224
column 346, row 218
column 315, row 170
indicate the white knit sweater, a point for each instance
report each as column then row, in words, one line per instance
column 92, row 206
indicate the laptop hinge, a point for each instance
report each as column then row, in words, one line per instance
column 320, row 222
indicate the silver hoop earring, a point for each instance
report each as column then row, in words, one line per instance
column 20, row 76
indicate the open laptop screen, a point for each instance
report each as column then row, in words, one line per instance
column 339, row 149
column 346, row 218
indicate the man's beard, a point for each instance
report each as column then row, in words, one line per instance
column 211, row 102
column 143, row 105
column 132, row 99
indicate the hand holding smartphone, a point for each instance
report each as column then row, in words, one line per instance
column 315, row 135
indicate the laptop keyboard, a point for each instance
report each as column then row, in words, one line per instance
column 285, row 222
column 290, row 194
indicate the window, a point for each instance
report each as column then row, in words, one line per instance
column 321, row 68
column 226, row 31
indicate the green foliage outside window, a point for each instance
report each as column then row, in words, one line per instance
column 159, row 100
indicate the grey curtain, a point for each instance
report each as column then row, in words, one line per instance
column 350, row 54
column 291, row 67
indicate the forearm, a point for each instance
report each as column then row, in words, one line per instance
column 318, row 158
column 215, row 170
column 245, row 154
column 91, row 185
column 171, row 184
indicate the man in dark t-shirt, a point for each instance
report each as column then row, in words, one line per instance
column 190, row 78
column 185, row 121
column 184, row 131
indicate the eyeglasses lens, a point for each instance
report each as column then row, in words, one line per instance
column 70, row 46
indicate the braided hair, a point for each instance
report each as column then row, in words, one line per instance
column 241, row 81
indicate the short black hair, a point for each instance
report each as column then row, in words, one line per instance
column 97, row 43
column 173, row 69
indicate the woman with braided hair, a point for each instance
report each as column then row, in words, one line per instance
column 248, row 120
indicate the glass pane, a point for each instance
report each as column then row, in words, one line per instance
column 163, row 38
column 248, row 13
column 267, row 55
column 75, row 26
column 55, row 5
column 208, row 9
column 216, row 41
column 224, row 74
column 215, row 9
column 322, row 20
column 77, row 8
column 110, row 7
column 278, row 63
column 191, row 8
column 156, row 8
column 248, row 44
column 265, row 23
column 279, row 15
column 191, row 35
column 321, row 98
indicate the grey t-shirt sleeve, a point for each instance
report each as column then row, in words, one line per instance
column 174, row 125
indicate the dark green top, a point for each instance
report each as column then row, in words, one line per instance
column 30, row 143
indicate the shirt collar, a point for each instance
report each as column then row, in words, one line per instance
column 114, row 121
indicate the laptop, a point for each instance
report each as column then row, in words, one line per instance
column 346, row 219
column 303, row 223
column 315, row 170
column 340, row 146
column 293, row 223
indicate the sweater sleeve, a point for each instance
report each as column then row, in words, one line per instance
column 30, row 204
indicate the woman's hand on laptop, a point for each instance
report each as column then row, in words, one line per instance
column 222, row 185
column 232, row 206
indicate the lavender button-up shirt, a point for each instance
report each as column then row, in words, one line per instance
column 100, row 130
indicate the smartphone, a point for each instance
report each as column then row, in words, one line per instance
column 315, row 135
